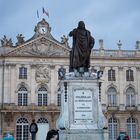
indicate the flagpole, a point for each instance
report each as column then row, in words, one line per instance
column 37, row 15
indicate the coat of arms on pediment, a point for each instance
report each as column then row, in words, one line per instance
column 41, row 47
column 42, row 74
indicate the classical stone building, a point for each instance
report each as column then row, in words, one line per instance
column 29, row 85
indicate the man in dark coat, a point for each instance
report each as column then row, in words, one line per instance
column 83, row 42
column 33, row 129
column 52, row 135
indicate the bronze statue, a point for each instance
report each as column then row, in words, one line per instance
column 83, row 42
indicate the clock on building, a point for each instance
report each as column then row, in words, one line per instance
column 42, row 30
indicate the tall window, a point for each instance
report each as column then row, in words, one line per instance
column 129, row 75
column 22, row 129
column 59, row 98
column 22, row 96
column 111, row 75
column 130, row 97
column 132, row 128
column 112, row 96
column 22, row 73
column 113, row 128
column 42, row 96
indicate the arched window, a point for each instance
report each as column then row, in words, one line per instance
column 42, row 96
column 22, row 129
column 132, row 128
column 130, row 97
column 113, row 128
column 129, row 75
column 111, row 75
column 112, row 96
column 42, row 120
column 22, row 96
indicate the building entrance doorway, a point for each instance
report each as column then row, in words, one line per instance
column 43, row 128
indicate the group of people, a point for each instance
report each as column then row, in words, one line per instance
column 123, row 136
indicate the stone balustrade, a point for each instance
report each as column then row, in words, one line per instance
column 116, row 53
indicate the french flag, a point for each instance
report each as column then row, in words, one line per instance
column 45, row 12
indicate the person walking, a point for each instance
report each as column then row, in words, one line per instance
column 33, row 129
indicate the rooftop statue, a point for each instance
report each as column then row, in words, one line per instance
column 5, row 42
column 64, row 40
column 83, row 42
column 20, row 39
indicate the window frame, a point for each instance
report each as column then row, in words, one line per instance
column 22, row 96
column 42, row 96
column 22, row 73
column 22, row 129
column 132, row 128
column 111, row 75
column 129, row 75
column 130, row 97
column 113, row 126
column 112, row 97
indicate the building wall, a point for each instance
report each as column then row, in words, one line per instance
column 12, row 83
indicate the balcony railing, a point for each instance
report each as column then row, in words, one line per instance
column 116, row 53
column 112, row 108
column 30, row 108
column 130, row 108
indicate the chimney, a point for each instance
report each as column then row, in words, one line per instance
column 119, row 45
column 101, row 45
column 137, row 45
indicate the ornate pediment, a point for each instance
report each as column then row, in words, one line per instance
column 42, row 47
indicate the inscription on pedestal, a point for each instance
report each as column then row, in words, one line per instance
column 83, row 106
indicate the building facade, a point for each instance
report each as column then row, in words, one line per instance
column 29, row 85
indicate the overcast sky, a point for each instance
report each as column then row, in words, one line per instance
column 110, row 20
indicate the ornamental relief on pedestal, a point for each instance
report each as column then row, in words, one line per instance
column 42, row 74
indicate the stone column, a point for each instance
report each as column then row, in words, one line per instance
column 7, row 84
column 137, row 85
column 52, row 82
column 121, row 86
column 33, row 85
column 13, row 83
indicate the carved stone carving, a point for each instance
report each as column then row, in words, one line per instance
column 42, row 74
column 42, row 49
column 64, row 40
column 20, row 39
column 6, row 42
column 8, row 117
column 61, row 73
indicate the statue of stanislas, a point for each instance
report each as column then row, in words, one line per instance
column 83, row 42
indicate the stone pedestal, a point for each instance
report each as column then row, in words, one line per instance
column 83, row 134
column 81, row 115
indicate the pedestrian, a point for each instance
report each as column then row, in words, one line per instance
column 127, row 137
column 121, row 136
column 52, row 135
column 33, row 129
